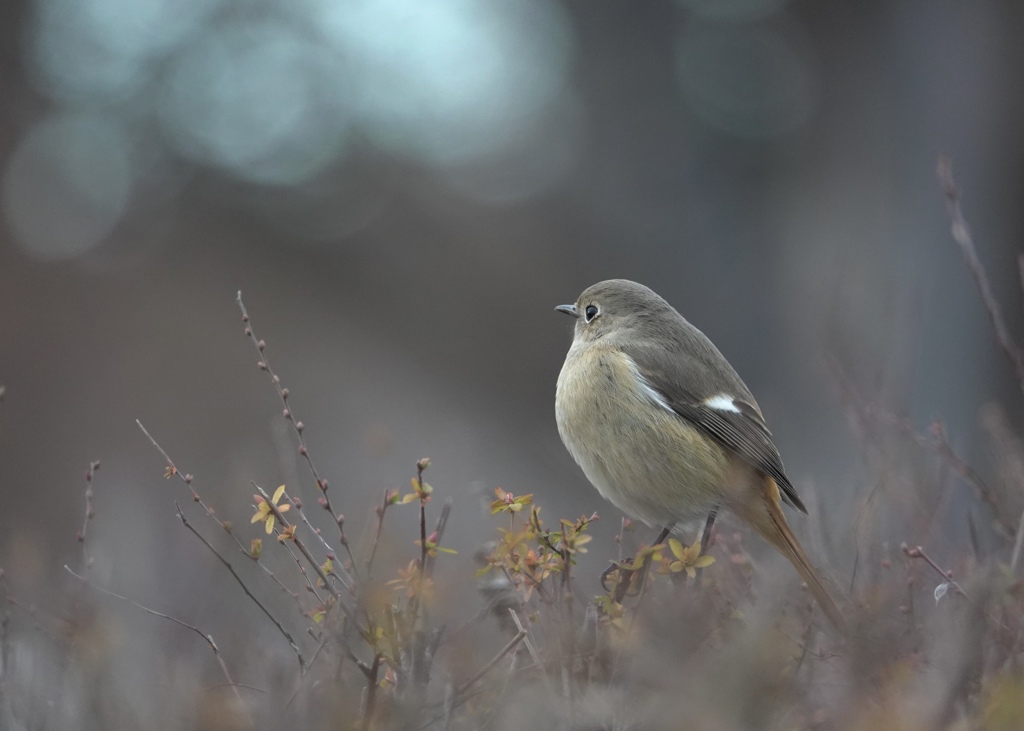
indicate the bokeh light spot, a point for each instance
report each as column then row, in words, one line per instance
column 258, row 99
column 81, row 49
column 450, row 80
column 67, row 185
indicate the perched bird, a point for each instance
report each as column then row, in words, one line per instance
column 663, row 426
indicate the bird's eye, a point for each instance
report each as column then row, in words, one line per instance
column 590, row 313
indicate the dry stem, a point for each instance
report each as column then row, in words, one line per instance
column 962, row 236
column 230, row 568
column 206, row 637
column 298, row 427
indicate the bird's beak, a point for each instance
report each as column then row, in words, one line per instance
column 568, row 309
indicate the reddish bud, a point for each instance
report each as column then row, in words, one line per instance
column 88, row 493
column 195, row 497
column 297, row 502
column 341, row 519
column 262, row 365
column 188, row 479
column 88, row 476
column 300, row 426
column 323, row 503
column 324, row 485
column 432, row 538
column 245, row 318
column 261, row 344
column 885, row 563
column 287, row 414
column 79, row 537
column 96, row 466
column 344, row 539
column 89, row 513
column 276, row 378
column 248, row 331
column 303, row 451
column 330, row 555
column 284, row 393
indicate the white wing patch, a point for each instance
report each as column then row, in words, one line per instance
column 722, row 402
column 651, row 392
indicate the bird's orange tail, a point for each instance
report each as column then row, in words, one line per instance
column 777, row 532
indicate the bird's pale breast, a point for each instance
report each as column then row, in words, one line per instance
column 644, row 458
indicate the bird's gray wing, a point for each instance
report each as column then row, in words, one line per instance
column 700, row 386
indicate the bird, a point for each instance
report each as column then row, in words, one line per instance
column 663, row 426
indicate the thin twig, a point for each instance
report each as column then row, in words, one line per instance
column 449, row 705
column 962, row 236
column 302, row 677
column 519, row 637
column 282, row 392
column 461, row 695
column 231, row 569
column 89, row 513
column 206, row 637
column 438, row 534
column 376, row 538
column 416, row 612
column 936, row 439
column 305, row 552
column 172, row 471
column 420, row 467
column 283, row 524
column 310, row 586
column 947, row 576
column 1018, row 544
column 529, row 645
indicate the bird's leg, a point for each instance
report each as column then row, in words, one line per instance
column 664, row 534
column 705, row 539
column 626, row 576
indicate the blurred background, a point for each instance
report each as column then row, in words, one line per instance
column 404, row 190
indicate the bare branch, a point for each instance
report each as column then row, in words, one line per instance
column 298, row 427
column 206, row 637
column 279, row 517
column 89, row 513
column 230, row 568
column 962, row 236
column 172, row 470
column 947, row 576
column 1018, row 544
